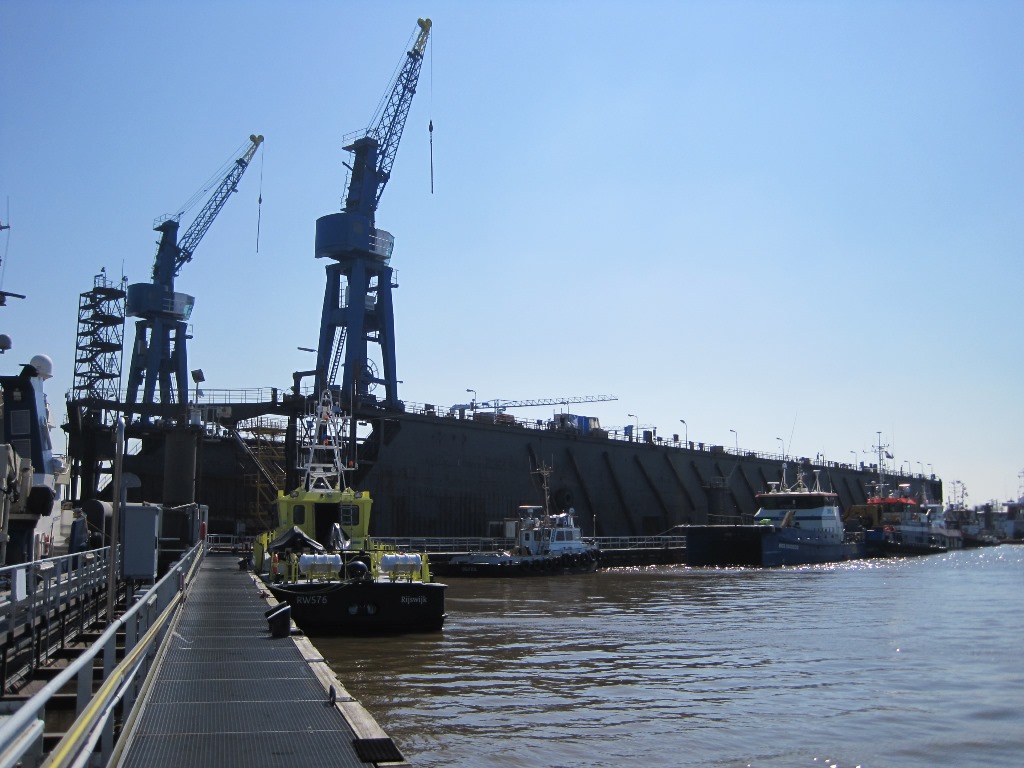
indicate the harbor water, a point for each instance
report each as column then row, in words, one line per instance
column 904, row 662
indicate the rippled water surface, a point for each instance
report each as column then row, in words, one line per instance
column 912, row 662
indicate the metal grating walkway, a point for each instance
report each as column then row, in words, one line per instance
column 228, row 694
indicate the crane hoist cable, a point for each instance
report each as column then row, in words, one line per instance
column 430, row 125
column 259, row 205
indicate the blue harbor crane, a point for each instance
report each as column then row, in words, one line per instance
column 359, row 310
column 159, row 353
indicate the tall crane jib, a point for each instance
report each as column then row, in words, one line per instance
column 358, row 307
column 159, row 354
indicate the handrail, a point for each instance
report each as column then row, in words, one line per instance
column 21, row 733
column 48, row 583
column 444, row 545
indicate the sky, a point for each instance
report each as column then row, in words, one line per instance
column 789, row 224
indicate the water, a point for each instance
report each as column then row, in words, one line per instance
column 913, row 662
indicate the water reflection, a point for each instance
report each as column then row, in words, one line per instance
column 676, row 666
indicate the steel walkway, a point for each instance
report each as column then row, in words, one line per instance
column 226, row 693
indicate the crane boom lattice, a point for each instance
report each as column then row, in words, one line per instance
column 547, row 401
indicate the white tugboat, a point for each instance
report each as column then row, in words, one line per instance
column 547, row 544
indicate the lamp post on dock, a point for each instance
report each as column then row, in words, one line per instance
column 854, row 459
column 737, row 436
column 686, row 433
column 637, row 429
column 783, row 442
column 472, row 403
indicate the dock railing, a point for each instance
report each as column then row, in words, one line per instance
column 441, row 545
column 32, row 590
column 221, row 543
column 91, row 736
column 640, row 542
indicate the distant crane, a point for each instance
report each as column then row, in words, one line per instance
column 501, row 405
column 360, row 310
column 159, row 353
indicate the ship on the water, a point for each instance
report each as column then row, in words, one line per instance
column 546, row 544
column 321, row 561
column 794, row 526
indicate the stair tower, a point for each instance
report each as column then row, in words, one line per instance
column 98, row 348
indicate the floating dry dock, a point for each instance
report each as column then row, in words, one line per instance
column 227, row 693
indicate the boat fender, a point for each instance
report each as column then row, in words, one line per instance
column 357, row 569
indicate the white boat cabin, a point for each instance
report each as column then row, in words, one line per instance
column 541, row 534
column 815, row 512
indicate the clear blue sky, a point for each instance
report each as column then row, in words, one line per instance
column 796, row 220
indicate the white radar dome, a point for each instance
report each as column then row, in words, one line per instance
column 43, row 365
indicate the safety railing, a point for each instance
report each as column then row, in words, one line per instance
column 90, row 739
column 469, row 544
column 224, row 542
column 640, row 542
column 32, row 590
column 446, row 544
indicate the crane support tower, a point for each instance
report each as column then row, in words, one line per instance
column 159, row 354
column 358, row 307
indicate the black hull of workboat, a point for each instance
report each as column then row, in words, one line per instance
column 363, row 607
column 881, row 544
column 762, row 546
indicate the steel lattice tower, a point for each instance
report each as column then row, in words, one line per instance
column 98, row 347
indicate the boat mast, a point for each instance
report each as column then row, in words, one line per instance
column 545, row 472
column 882, row 454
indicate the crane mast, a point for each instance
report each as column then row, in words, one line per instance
column 357, row 308
column 159, row 354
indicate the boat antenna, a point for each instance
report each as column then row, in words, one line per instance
column 545, row 472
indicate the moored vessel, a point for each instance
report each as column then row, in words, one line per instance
column 894, row 526
column 546, row 544
column 321, row 560
column 792, row 526
column 32, row 477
